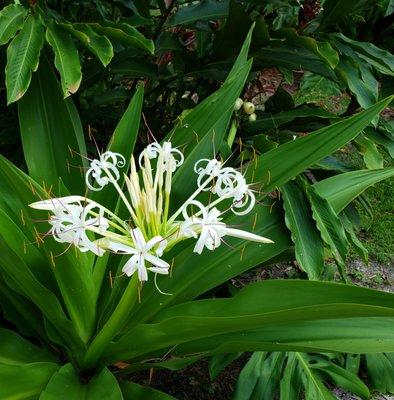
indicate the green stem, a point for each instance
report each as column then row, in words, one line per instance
column 114, row 324
column 232, row 133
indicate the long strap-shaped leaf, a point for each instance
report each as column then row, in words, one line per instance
column 22, row 58
column 277, row 166
column 11, row 20
column 66, row 58
column 267, row 303
column 341, row 189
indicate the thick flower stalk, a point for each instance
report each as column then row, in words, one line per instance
column 151, row 230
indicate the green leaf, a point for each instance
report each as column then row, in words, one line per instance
column 25, row 382
column 330, row 227
column 308, row 244
column 14, row 350
column 124, row 33
column 259, row 379
column 292, row 58
column 205, row 10
column 59, row 141
column 340, row 190
column 271, row 121
column 322, row 49
column 99, row 45
column 290, row 384
column 22, row 58
column 372, row 157
column 11, row 20
column 65, row 385
column 381, row 59
column 66, row 58
column 279, row 165
column 314, row 387
column 307, row 305
column 381, row 372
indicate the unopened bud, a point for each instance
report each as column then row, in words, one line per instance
column 252, row 117
column 238, row 104
column 249, row 107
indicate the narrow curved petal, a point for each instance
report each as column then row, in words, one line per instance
column 238, row 233
column 156, row 261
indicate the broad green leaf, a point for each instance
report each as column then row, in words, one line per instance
column 14, row 350
column 364, row 90
column 340, row 190
column 22, row 57
column 271, row 121
column 330, row 227
column 23, row 281
column 99, row 45
column 72, row 270
column 292, row 58
column 352, row 237
column 279, row 165
column 381, row 372
column 308, row 244
column 133, row 391
column 259, row 379
column 314, row 387
column 321, row 49
column 340, row 376
column 11, row 20
column 58, row 140
column 206, row 10
column 290, row 384
column 372, row 157
column 66, row 58
column 354, row 335
column 124, row 33
column 25, row 382
column 306, row 304
column 381, row 59
column 65, row 384
column 21, row 312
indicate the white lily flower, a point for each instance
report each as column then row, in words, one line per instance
column 167, row 152
column 142, row 253
column 103, row 170
column 70, row 223
column 211, row 229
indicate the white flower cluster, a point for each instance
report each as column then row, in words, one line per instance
column 150, row 230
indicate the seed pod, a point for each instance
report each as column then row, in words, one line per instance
column 238, row 104
column 249, row 107
column 252, row 117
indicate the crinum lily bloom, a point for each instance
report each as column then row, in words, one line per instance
column 142, row 252
column 209, row 229
column 91, row 227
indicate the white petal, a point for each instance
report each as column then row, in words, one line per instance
column 151, row 243
column 59, row 202
column 120, row 247
column 131, row 266
column 158, row 262
column 138, row 238
column 238, row 233
column 162, row 271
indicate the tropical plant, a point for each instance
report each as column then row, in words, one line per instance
column 89, row 325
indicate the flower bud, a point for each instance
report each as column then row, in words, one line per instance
column 238, row 104
column 248, row 107
column 252, row 117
